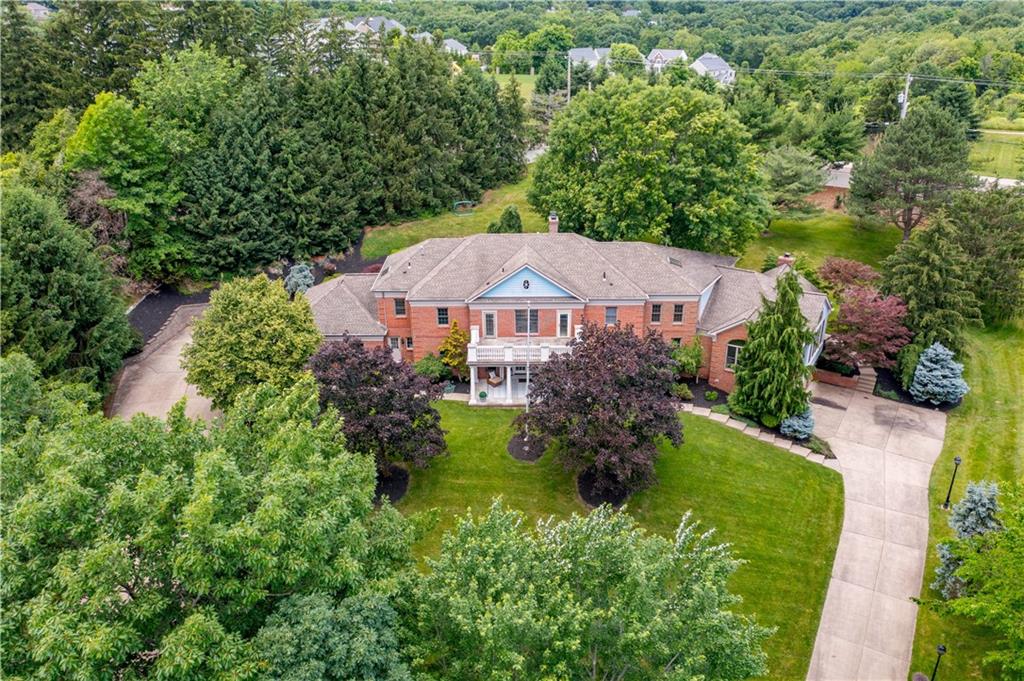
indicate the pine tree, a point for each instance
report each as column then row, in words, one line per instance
column 24, row 101
column 930, row 274
column 771, row 373
column 977, row 512
column 511, row 133
column 959, row 101
column 839, row 137
column 476, row 124
column 552, row 75
column 938, row 378
column 508, row 223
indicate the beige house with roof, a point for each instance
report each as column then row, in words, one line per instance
column 523, row 297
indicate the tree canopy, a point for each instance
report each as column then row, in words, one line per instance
column 665, row 163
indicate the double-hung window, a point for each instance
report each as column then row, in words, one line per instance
column 408, row 342
column 611, row 316
column 677, row 314
column 399, row 307
column 656, row 313
column 732, row 353
column 521, row 320
column 442, row 316
column 563, row 324
column 490, row 325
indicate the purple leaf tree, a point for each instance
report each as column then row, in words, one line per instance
column 385, row 404
column 869, row 330
column 605, row 404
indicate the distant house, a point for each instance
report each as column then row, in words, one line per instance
column 453, row 46
column 630, row 12
column 378, row 25
column 660, row 58
column 591, row 56
column 38, row 12
column 709, row 64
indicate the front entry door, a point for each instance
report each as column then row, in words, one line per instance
column 396, row 351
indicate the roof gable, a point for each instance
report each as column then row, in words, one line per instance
column 525, row 282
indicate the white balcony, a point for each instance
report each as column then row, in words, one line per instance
column 515, row 350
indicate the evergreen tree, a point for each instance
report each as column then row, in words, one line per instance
column 552, row 76
column 938, row 378
column 508, row 223
column 756, row 109
column 929, row 274
column 60, row 306
column 977, row 512
column 958, row 100
column 882, row 105
column 24, row 102
column 839, row 137
column 475, row 101
column 230, row 204
column 792, row 174
column 299, row 279
column 917, row 165
column 771, row 373
column 511, row 133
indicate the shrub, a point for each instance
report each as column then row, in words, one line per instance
column 432, row 367
column 946, row 581
column 938, row 378
column 454, row 351
column 682, row 392
column 710, row 395
column 508, row 223
column 887, row 394
column 906, row 364
column 976, row 513
column 819, row 446
column 689, row 358
column 720, row 409
column 798, row 427
column 299, row 279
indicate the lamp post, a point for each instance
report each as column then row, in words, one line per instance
column 941, row 650
column 945, row 504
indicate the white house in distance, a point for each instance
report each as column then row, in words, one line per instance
column 709, row 64
column 659, row 58
column 451, row 46
column 591, row 56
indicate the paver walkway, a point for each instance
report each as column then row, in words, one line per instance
column 885, row 452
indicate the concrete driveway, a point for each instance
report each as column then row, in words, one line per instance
column 153, row 381
column 885, row 452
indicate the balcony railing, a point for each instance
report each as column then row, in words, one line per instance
column 514, row 351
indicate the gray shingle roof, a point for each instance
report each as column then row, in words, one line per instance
column 712, row 62
column 457, row 269
column 737, row 298
column 666, row 55
column 454, row 46
column 589, row 55
column 346, row 304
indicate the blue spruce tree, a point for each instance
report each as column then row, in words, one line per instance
column 938, row 377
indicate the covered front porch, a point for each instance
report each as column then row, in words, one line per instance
column 500, row 367
column 501, row 385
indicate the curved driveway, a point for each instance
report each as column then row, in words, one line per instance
column 885, row 452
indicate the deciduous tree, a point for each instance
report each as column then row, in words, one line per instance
column 917, row 165
column 384, row 405
column 771, row 373
column 840, row 274
column 605, row 404
column 454, row 351
column 869, row 329
column 572, row 599
column 250, row 334
column 664, row 163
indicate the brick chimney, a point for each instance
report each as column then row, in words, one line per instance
column 786, row 259
column 553, row 223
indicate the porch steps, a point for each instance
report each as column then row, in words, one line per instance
column 866, row 380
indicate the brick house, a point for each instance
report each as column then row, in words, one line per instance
column 523, row 297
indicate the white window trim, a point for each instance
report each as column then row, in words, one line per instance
column 483, row 318
column 611, row 307
column 738, row 344
column 529, row 313
column 437, row 315
column 558, row 324
column 661, row 312
column 405, row 306
column 682, row 314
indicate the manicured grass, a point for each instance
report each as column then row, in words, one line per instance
column 998, row 155
column 385, row 240
column 823, row 235
column 527, row 84
column 988, row 432
column 781, row 513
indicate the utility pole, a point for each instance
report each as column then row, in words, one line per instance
column 905, row 97
column 568, row 78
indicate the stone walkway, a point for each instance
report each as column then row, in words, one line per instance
column 885, row 452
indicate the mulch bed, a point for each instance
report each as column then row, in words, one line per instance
column 149, row 315
column 613, row 495
column 520, row 450
column 393, row 486
column 886, row 380
column 698, row 390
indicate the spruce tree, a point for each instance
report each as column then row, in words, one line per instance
column 930, row 274
column 24, row 101
column 508, row 223
column 771, row 373
column 959, row 101
column 938, row 378
column 977, row 513
column 552, row 75
column 511, row 133
column 476, row 123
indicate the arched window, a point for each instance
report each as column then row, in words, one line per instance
column 732, row 352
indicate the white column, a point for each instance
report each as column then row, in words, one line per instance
column 508, row 384
column 472, row 385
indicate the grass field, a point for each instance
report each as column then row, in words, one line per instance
column 382, row 241
column 988, row 432
column 998, row 155
column 527, row 84
column 781, row 513
column 823, row 235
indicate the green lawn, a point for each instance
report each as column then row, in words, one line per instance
column 385, row 240
column 988, row 432
column 527, row 83
column 998, row 155
column 781, row 513
column 823, row 235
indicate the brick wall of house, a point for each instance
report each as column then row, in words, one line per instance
column 627, row 314
column 398, row 327
column 426, row 333
column 547, row 322
column 684, row 331
column 719, row 376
